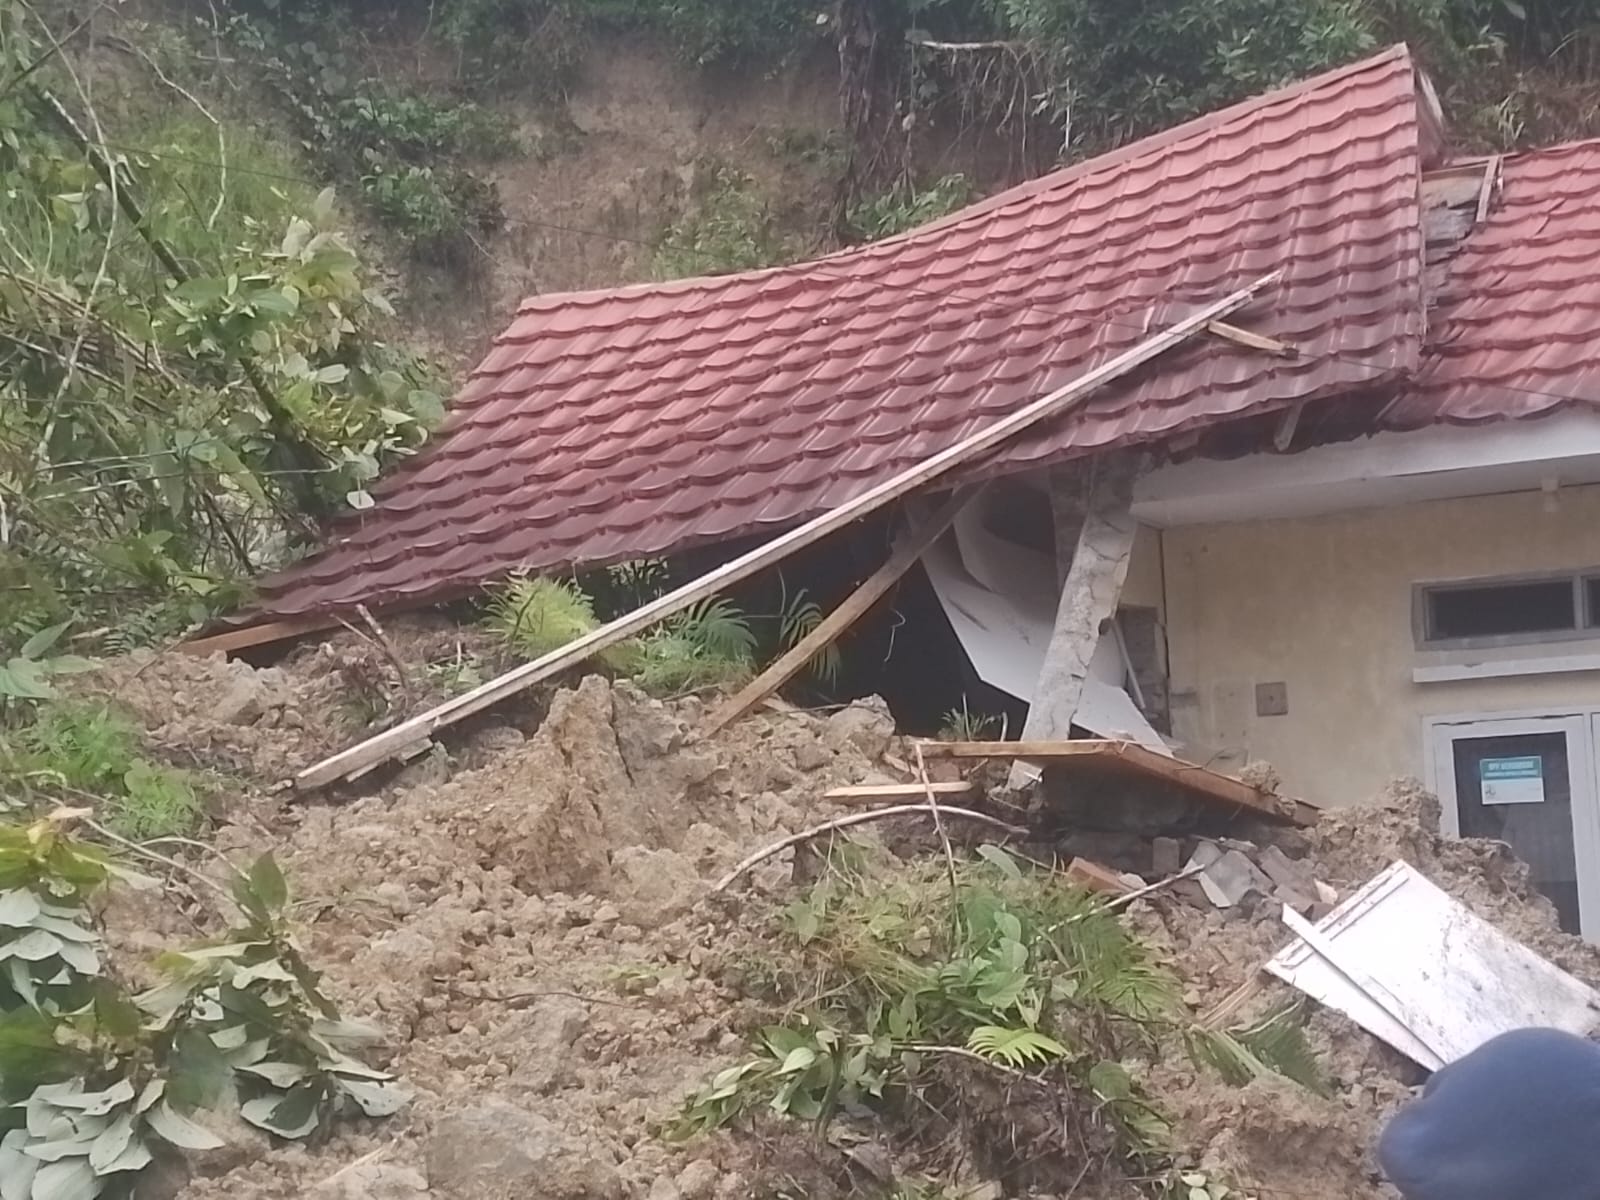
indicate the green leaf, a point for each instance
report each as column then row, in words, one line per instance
column 16, row 1168
column 178, row 1130
column 74, row 1146
column 33, row 946
column 98, row 1104
column 35, row 646
column 999, row 858
column 18, row 908
column 291, row 1116
column 375, row 1099
column 24, row 679
column 116, row 1015
column 201, row 292
column 73, row 1179
column 1110, row 1081
column 347, row 1035
column 198, row 1073
column 112, row 1144
column 278, row 1074
column 22, row 982
column 153, row 1091
column 798, row 1059
column 267, row 881
column 427, row 405
column 79, row 957
column 136, row 1157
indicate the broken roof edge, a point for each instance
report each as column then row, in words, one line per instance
column 1431, row 153
column 280, row 623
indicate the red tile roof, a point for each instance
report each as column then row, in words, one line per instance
column 1517, row 327
column 610, row 425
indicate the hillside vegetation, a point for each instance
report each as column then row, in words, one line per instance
column 205, row 205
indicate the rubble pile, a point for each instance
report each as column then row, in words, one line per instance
column 532, row 920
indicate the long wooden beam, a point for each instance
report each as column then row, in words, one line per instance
column 1135, row 760
column 855, row 606
column 384, row 745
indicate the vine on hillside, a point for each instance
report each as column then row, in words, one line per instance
column 97, row 1080
column 191, row 371
column 413, row 154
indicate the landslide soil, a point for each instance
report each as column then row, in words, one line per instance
column 531, row 919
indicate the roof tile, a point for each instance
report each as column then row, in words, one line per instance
column 623, row 423
column 1517, row 327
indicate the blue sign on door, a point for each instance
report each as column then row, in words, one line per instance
column 1517, row 780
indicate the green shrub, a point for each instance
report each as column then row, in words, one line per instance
column 906, row 207
column 79, row 752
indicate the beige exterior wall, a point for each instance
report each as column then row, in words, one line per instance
column 1324, row 605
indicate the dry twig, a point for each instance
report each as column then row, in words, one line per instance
column 860, row 818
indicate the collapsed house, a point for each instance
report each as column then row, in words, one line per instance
column 1270, row 437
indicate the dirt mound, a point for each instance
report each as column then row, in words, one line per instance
column 1277, row 1138
column 537, row 936
column 536, row 931
column 261, row 725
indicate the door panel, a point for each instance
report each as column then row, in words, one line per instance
column 1517, row 788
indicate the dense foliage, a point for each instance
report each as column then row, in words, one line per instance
column 191, row 364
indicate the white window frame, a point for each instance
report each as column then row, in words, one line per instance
column 1585, row 618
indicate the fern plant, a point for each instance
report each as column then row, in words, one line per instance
column 709, row 645
column 963, row 725
column 1274, row 1045
column 534, row 616
column 1007, row 966
column 798, row 617
column 71, row 751
column 1017, row 1048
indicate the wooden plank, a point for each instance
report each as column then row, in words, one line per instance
column 1132, row 758
column 867, row 792
column 1253, row 341
column 385, row 744
column 1089, row 598
column 1486, row 193
column 1288, row 425
column 255, row 635
column 901, row 559
column 1092, row 877
column 1453, row 187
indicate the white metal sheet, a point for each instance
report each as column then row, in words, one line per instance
column 1005, row 634
column 1414, row 967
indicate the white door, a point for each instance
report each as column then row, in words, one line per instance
column 1529, row 782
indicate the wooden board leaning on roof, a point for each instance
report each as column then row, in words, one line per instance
column 390, row 742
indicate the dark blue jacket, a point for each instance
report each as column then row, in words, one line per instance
column 1517, row 1118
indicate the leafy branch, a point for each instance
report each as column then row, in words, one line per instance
column 94, row 1078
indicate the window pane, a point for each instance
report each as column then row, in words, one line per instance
column 1592, row 608
column 1505, row 608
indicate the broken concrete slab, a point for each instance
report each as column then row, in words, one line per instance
column 1230, row 877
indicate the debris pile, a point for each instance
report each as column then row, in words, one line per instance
column 533, row 921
